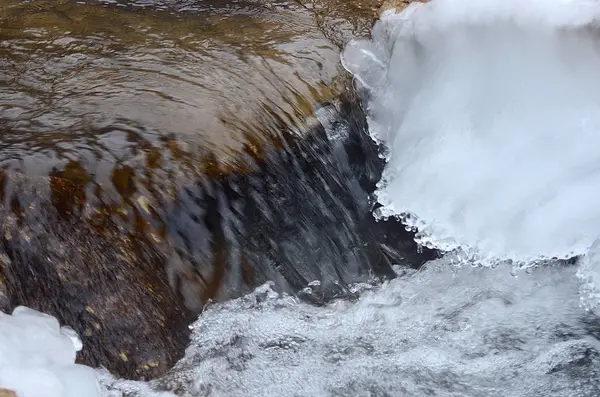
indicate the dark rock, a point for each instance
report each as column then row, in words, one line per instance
column 129, row 276
column 109, row 286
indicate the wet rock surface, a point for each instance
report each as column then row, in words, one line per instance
column 109, row 284
column 130, row 288
column 165, row 159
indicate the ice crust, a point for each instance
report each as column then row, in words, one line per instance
column 490, row 110
column 37, row 357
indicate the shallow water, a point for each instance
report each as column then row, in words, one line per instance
column 94, row 83
column 165, row 107
column 165, row 154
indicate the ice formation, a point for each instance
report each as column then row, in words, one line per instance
column 37, row 357
column 491, row 113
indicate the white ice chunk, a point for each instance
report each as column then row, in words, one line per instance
column 491, row 113
column 72, row 334
column 37, row 357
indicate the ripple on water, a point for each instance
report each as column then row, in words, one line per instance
column 138, row 137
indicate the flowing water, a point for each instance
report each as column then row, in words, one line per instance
column 486, row 112
column 439, row 332
column 158, row 155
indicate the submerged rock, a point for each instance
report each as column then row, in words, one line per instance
column 109, row 284
column 144, row 187
column 129, row 279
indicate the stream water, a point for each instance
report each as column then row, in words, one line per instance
column 150, row 145
column 156, row 156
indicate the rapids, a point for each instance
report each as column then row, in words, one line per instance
column 441, row 331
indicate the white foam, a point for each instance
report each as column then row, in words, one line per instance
column 491, row 112
column 37, row 357
column 441, row 331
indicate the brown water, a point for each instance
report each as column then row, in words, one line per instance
column 97, row 83
column 159, row 154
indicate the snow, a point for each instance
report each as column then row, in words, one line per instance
column 37, row 357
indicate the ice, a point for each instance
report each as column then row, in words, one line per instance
column 589, row 273
column 442, row 331
column 37, row 357
column 491, row 112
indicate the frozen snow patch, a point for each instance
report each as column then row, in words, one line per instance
column 37, row 357
column 490, row 110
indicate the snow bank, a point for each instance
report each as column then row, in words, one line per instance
column 37, row 357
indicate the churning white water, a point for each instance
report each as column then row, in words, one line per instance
column 439, row 331
column 491, row 113
column 442, row 331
